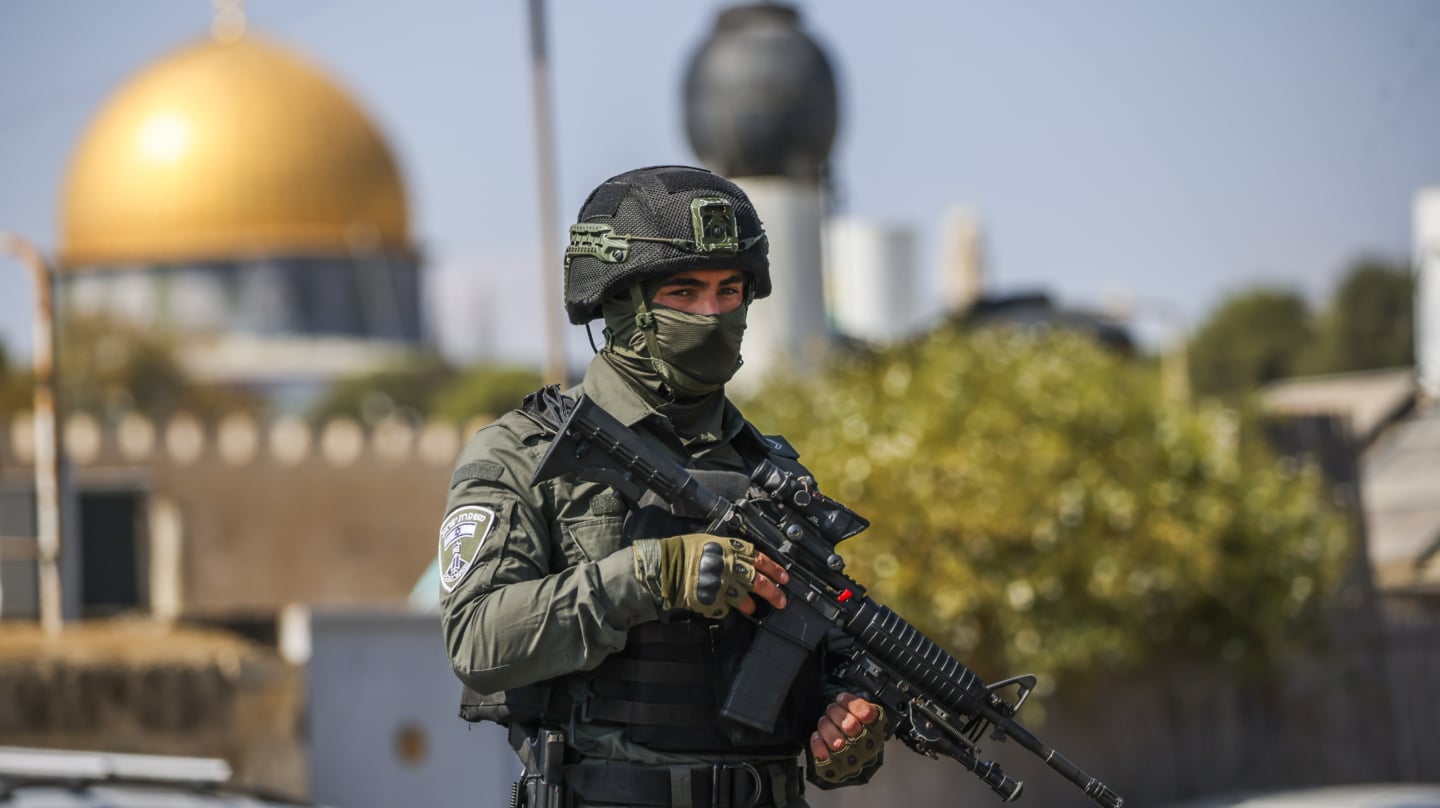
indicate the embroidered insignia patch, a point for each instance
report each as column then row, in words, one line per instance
column 461, row 535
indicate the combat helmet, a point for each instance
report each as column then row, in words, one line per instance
column 654, row 221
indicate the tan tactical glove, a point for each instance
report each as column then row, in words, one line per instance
column 855, row 755
column 706, row 574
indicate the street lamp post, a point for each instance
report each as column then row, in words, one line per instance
column 47, row 431
column 545, row 166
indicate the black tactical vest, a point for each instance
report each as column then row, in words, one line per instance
column 666, row 686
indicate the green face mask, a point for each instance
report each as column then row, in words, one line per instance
column 693, row 354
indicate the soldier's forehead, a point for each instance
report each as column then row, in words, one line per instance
column 703, row 276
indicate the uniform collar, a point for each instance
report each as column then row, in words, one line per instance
column 617, row 395
column 613, row 393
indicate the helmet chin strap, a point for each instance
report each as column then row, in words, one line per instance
column 680, row 382
column 645, row 322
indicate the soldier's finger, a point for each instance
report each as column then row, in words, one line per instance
column 831, row 734
column 767, row 567
column 818, row 747
column 769, row 591
column 844, row 719
column 866, row 711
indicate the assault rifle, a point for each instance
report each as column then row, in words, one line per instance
column 939, row 706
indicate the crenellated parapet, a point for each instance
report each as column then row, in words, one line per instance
column 235, row 515
column 184, row 439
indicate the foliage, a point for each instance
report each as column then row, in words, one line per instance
column 427, row 387
column 485, row 390
column 16, row 385
column 1252, row 338
column 1372, row 319
column 106, row 366
column 1261, row 335
column 404, row 389
column 1035, row 506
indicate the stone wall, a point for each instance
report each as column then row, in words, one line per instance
column 260, row 515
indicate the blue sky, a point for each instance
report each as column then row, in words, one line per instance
column 1170, row 152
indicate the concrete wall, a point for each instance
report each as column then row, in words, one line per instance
column 383, row 718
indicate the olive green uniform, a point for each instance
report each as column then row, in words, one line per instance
column 551, row 565
column 556, row 623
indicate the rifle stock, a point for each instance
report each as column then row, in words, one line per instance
column 940, row 706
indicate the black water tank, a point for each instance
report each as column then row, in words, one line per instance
column 760, row 96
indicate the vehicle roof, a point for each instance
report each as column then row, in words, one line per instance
column 1377, row 795
column 124, row 796
column 53, row 778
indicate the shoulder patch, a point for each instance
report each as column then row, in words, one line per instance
column 461, row 534
column 780, row 446
column 478, row 470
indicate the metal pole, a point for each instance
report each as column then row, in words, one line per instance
column 47, row 431
column 545, row 160
column 1174, row 357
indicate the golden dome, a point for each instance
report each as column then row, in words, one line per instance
column 226, row 149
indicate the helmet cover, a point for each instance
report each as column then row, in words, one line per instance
column 656, row 221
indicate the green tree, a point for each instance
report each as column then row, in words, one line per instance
column 1371, row 322
column 408, row 388
column 1036, row 507
column 1252, row 338
column 106, row 366
column 16, row 385
column 485, row 390
column 429, row 387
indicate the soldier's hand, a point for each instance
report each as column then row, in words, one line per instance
column 707, row 574
column 847, row 738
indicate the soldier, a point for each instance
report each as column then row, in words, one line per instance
column 603, row 632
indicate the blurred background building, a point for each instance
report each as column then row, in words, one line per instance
column 235, row 195
column 232, row 196
column 235, row 198
column 761, row 107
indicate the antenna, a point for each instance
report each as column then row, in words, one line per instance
column 229, row 23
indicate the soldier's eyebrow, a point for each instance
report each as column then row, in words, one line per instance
column 738, row 277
